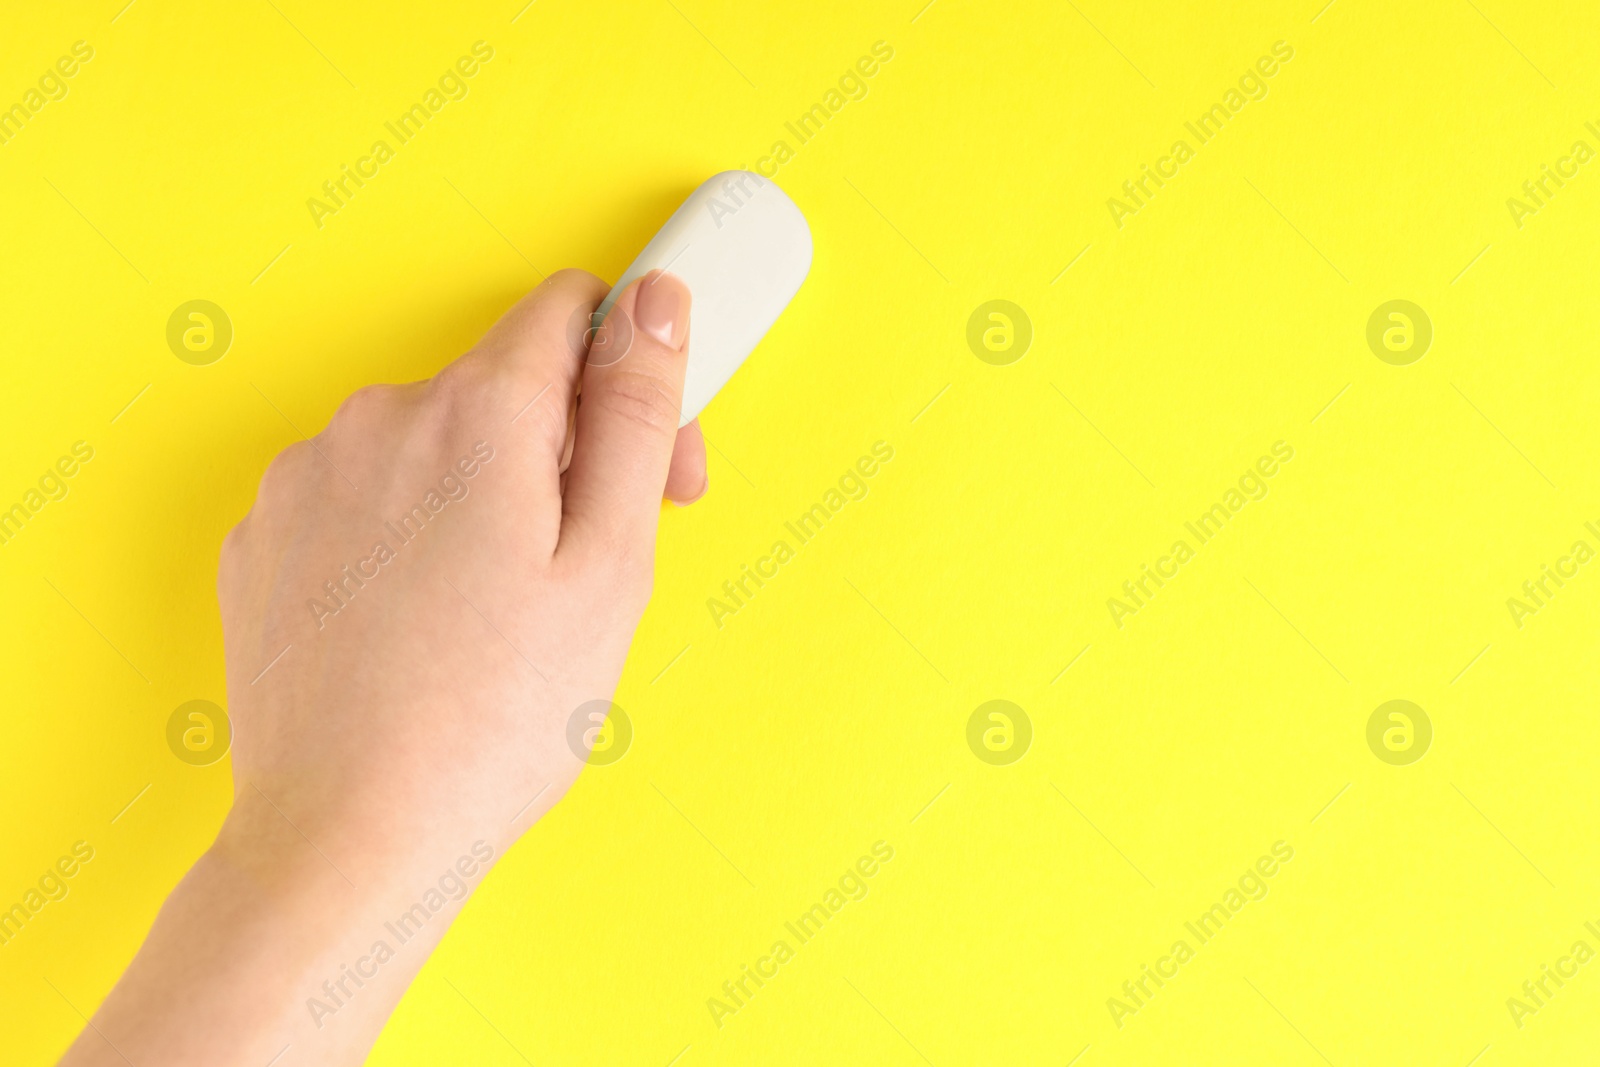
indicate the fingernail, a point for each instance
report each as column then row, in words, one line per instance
column 705, row 483
column 662, row 308
column 695, row 495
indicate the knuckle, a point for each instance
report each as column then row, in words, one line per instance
column 229, row 560
column 464, row 391
column 287, row 464
column 638, row 397
column 232, row 542
column 362, row 402
column 364, row 410
column 568, row 275
column 366, row 417
column 465, row 375
column 284, row 474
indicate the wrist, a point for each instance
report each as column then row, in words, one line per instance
column 346, row 865
column 269, row 943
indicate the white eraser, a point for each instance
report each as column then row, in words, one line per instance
column 743, row 248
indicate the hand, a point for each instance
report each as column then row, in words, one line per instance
column 420, row 598
column 447, row 596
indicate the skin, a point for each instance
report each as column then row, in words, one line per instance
column 426, row 720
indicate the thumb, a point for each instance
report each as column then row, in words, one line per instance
column 628, row 421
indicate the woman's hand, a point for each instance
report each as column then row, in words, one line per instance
column 419, row 601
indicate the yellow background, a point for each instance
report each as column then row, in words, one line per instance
column 1223, row 317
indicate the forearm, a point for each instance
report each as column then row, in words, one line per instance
column 265, row 946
